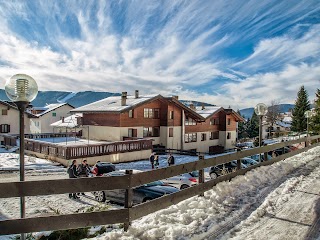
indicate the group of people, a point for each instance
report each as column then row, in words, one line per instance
column 154, row 160
column 80, row 171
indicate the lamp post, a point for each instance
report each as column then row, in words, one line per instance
column 21, row 89
column 308, row 114
column 260, row 109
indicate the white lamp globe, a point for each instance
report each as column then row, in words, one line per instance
column 21, row 88
column 308, row 114
column 261, row 109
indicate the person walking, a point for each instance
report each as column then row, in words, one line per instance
column 151, row 159
column 170, row 160
column 72, row 171
column 95, row 170
column 83, row 170
column 156, row 161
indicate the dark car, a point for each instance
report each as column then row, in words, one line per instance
column 104, row 167
column 281, row 151
column 141, row 194
column 223, row 169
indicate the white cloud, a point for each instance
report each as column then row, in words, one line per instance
column 170, row 47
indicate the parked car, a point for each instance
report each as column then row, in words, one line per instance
column 223, row 169
column 184, row 180
column 101, row 168
column 141, row 194
column 248, row 161
column 256, row 157
column 281, row 151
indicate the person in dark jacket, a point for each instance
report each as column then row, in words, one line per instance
column 151, row 159
column 170, row 160
column 72, row 171
column 83, row 170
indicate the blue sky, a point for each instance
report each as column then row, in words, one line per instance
column 236, row 53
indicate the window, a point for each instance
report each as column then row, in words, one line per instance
column 4, row 112
column 151, row 132
column 171, row 115
column 151, row 112
column 214, row 121
column 4, row 128
column 203, row 136
column 228, row 135
column 132, row 132
column 190, row 137
column 131, row 113
column 214, row 135
column 54, row 114
column 170, row 132
column 190, row 121
column 229, row 121
column 157, row 113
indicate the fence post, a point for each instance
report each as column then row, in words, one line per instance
column 265, row 156
column 238, row 164
column 201, row 174
column 128, row 200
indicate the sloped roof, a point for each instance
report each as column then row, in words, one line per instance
column 69, row 122
column 13, row 106
column 287, row 119
column 49, row 108
column 113, row 104
column 208, row 111
column 235, row 114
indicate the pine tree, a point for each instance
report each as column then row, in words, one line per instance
column 242, row 131
column 302, row 104
column 314, row 123
column 253, row 128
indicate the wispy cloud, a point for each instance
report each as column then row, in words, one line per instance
column 226, row 52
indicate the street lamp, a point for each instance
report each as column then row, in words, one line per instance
column 308, row 114
column 260, row 109
column 21, row 89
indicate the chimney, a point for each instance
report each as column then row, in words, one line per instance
column 136, row 94
column 176, row 97
column 202, row 106
column 62, row 119
column 123, row 98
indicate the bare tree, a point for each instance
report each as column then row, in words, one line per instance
column 273, row 114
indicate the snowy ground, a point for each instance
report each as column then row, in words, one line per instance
column 281, row 201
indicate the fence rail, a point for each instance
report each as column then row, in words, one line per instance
column 128, row 182
column 74, row 152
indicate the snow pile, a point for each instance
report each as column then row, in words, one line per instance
column 224, row 204
column 11, row 162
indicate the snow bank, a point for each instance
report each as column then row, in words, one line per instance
column 199, row 216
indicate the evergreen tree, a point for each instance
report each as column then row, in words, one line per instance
column 242, row 131
column 302, row 104
column 253, row 128
column 314, row 123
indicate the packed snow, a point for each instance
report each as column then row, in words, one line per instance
column 280, row 201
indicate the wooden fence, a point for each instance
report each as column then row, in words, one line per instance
column 82, row 151
column 128, row 182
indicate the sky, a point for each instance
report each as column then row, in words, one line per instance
column 228, row 53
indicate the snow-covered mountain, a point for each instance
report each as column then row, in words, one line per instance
column 76, row 99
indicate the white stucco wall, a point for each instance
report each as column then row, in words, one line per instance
column 48, row 118
column 13, row 120
column 201, row 146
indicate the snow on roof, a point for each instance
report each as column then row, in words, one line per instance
column 207, row 111
column 113, row 104
column 283, row 124
column 48, row 108
column 287, row 119
column 70, row 121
